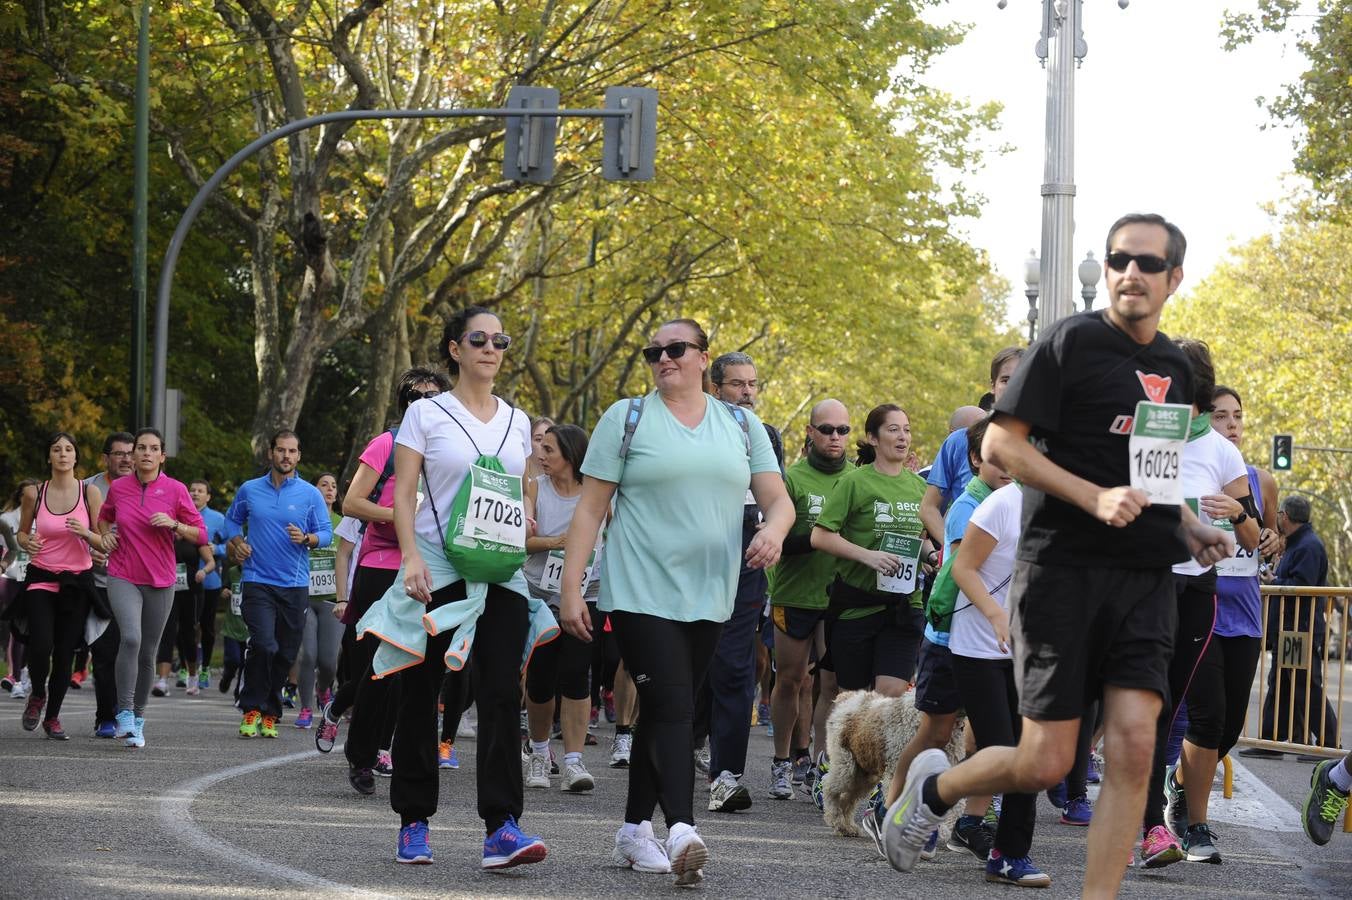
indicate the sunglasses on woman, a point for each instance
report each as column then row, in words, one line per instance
column 412, row 396
column 674, row 350
column 477, row 340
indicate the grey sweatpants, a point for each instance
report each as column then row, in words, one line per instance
column 319, row 650
column 141, row 612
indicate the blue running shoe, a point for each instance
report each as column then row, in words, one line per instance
column 413, row 846
column 106, row 730
column 137, row 739
column 508, row 847
column 1015, row 870
column 125, row 724
column 1058, row 795
column 1077, row 812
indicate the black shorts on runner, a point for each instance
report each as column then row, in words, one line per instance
column 799, row 624
column 1077, row 629
column 936, row 692
column 882, row 644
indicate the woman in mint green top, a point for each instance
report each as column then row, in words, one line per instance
column 871, row 523
column 669, row 570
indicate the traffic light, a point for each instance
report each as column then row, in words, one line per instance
column 1281, row 452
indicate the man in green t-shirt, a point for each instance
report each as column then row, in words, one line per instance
column 798, row 597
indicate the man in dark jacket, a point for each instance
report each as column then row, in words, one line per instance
column 1305, row 563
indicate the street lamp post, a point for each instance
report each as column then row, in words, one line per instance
column 1032, row 275
column 1060, row 48
column 1089, row 272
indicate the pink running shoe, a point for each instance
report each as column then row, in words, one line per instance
column 327, row 734
column 1160, row 848
column 306, row 718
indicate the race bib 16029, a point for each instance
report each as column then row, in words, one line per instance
column 1158, row 433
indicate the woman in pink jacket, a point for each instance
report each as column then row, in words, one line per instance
column 139, row 520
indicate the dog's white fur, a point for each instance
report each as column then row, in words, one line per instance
column 865, row 735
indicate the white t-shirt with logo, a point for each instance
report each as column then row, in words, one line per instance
column 449, row 449
column 999, row 515
column 1209, row 464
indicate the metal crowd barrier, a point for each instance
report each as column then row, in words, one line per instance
column 1296, row 658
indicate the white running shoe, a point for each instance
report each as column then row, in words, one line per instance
column 640, row 851
column 576, row 779
column 910, row 824
column 537, row 771
column 781, row 780
column 688, row 855
column 726, row 794
column 620, row 749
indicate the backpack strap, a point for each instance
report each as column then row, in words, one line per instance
column 387, row 471
column 631, row 417
column 739, row 415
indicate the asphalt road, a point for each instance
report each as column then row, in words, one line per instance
column 202, row 813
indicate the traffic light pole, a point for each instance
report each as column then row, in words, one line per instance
column 636, row 119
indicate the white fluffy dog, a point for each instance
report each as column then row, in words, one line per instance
column 865, row 735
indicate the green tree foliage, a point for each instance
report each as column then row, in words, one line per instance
column 1319, row 103
column 796, row 211
column 1278, row 318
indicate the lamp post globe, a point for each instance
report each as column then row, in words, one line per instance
column 1089, row 272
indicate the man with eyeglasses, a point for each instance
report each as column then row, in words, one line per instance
column 370, row 498
column 723, row 710
column 117, row 449
column 1090, row 425
column 798, row 585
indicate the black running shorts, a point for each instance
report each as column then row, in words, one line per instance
column 1077, row 629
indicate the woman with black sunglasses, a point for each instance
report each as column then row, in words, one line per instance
column 441, row 438
column 678, row 465
column 370, row 498
column 871, row 523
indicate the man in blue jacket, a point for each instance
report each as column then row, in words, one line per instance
column 274, row 523
column 1304, row 563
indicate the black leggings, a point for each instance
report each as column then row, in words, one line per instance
column 1196, row 617
column 374, row 701
column 986, row 687
column 56, row 621
column 1219, row 698
column 499, row 638
column 605, row 659
column 561, row 667
column 668, row 662
column 181, row 629
column 206, row 621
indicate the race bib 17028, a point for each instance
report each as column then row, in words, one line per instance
column 495, row 511
column 908, row 549
column 1158, row 433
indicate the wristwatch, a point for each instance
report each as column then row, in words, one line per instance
column 1239, row 519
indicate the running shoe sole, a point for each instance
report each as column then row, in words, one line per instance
column 531, row 853
column 688, row 866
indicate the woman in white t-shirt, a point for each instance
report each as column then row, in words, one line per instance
column 1216, row 486
column 983, row 668
column 440, row 438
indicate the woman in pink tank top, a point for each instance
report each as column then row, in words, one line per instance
column 59, row 582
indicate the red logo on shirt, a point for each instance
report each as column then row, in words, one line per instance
column 1156, row 387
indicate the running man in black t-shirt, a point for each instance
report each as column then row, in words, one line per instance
column 1092, row 597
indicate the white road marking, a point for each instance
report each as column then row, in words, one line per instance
column 1254, row 804
column 175, row 815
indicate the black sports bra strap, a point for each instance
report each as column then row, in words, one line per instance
column 510, row 417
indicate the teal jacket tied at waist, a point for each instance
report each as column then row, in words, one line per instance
column 402, row 624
